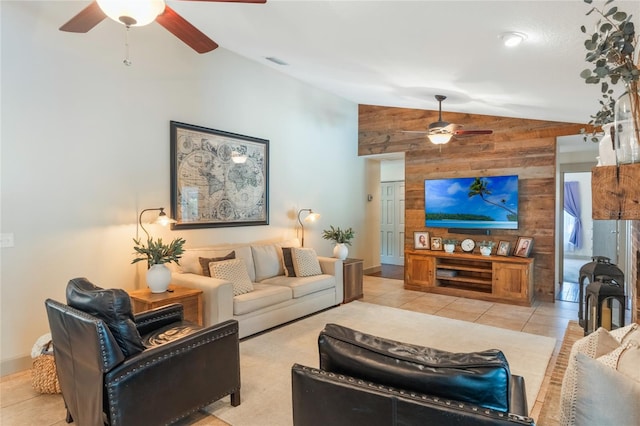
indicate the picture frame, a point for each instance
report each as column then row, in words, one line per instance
column 503, row 248
column 218, row 178
column 523, row 247
column 436, row 243
column 421, row 240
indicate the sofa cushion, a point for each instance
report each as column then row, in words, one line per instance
column 596, row 344
column 604, row 395
column 204, row 262
column 481, row 378
column 234, row 271
column 266, row 261
column 287, row 262
column 113, row 306
column 190, row 263
column 305, row 262
column 301, row 286
column 261, row 297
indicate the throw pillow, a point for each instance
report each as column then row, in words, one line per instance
column 287, row 262
column 205, row 261
column 234, row 271
column 604, row 396
column 113, row 306
column 305, row 262
column 596, row 344
column 625, row 359
column 266, row 260
column 626, row 333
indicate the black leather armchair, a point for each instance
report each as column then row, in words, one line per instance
column 153, row 368
column 364, row 379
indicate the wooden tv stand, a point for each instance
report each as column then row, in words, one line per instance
column 493, row 278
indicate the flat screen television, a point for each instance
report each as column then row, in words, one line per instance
column 488, row 202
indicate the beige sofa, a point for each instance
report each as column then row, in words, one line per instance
column 275, row 298
column 601, row 384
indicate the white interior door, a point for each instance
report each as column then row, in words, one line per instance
column 392, row 223
column 605, row 239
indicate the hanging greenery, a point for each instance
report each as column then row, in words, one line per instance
column 610, row 50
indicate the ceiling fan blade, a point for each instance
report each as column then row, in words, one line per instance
column 88, row 18
column 420, row 132
column 181, row 28
column 472, row 132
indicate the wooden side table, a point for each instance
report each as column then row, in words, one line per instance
column 190, row 298
column 352, row 270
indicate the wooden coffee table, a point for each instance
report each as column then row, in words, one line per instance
column 190, row 298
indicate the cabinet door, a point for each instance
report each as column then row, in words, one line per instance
column 511, row 280
column 421, row 270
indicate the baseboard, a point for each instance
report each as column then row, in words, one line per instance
column 15, row 365
column 372, row 270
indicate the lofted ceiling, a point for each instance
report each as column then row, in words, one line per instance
column 402, row 53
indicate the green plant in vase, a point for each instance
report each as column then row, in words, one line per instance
column 342, row 239
column 157, row 254
column 611, row 49
column 449, row 244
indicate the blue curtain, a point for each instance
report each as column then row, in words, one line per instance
column 572, row 206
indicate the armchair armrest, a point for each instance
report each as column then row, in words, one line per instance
column 153, row 319
column 191, row 372
column 217, row 295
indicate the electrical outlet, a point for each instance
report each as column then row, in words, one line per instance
column 6, row 240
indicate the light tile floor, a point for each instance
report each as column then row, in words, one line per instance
column 20, row 405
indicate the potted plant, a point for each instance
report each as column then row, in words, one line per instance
column 486, row 247
column 611, row 48
column 449, row 244
column 157, row 253
column 342, row 238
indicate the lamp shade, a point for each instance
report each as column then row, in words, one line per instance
column 135, row 13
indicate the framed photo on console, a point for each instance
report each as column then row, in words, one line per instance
column 421, row 241
column 523, row 247
column 503, row 248
column 436, row 243
column 218, row 179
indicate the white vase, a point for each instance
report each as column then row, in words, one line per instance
column 340, row 251
column 627, row 132
column 158, row 278
column 485, row 250
column 607, row 155
column 449, row 248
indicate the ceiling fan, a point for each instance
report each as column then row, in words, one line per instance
column 142, row 12
column 441, row 132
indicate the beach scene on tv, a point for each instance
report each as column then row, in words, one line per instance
column 489, row 202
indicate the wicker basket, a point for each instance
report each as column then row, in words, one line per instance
column 44, row 378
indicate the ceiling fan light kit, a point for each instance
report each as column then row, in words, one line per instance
column 440, row 132
column 143, row 12
column 132, row 13
column 440, row 138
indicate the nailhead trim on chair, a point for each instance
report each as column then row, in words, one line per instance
column 185, row 348
column 418, row 396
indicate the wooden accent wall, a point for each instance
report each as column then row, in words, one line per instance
column 526, row 148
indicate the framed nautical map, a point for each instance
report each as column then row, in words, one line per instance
column 218, row 179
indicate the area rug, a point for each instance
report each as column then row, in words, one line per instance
column 266, row 360
column 550, row 412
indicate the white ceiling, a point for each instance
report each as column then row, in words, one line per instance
column 402, row 53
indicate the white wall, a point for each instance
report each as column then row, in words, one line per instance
column 85, row 147
column 392, row 170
